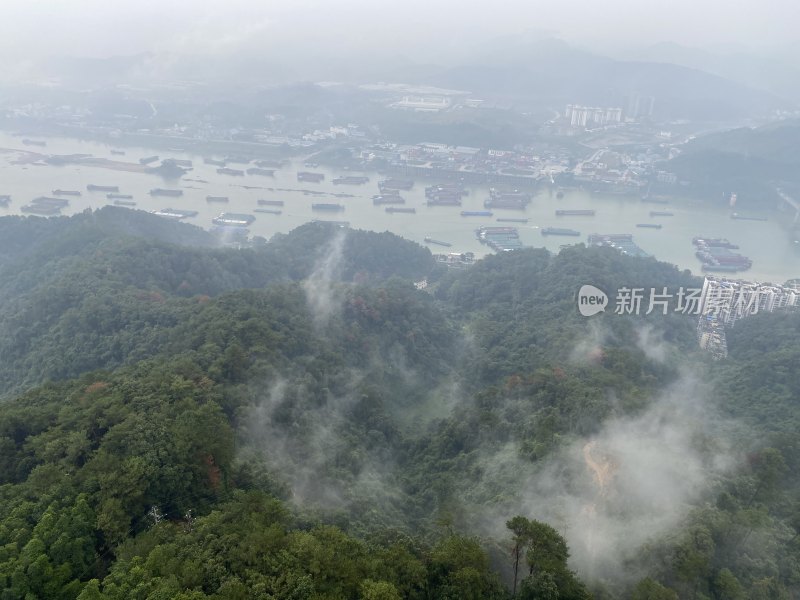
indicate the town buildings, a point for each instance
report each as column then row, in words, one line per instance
column 589, row 117
column 726, row 301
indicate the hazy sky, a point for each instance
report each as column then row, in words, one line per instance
column 30, row 28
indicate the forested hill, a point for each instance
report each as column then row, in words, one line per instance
column 297, row 420
column 23, row 237
column 101, row 289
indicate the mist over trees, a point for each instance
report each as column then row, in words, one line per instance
column 205, row 405
column 187, row 426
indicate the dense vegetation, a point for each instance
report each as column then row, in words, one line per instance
column 90, row 285
column 296, row 420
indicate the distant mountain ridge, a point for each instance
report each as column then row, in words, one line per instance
column 750, row 161
column 776, row 75
column 556, row 72
column 536, row 70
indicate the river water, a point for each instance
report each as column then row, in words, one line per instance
column 775, row 257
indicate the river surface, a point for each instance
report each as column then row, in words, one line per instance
column 775, row 257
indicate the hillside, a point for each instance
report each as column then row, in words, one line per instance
column 553, row 73
column 91, row 281
column 297, row 420
column 774, row 73
column 749, row 161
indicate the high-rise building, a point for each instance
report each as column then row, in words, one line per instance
column 582, row 116
column 711, row 337
column 640, row 107
column 646, row 105
column 613, row 115
column 728, row 301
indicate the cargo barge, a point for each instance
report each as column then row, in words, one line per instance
column 270, row 203
column 175, row 213
column 395, row 184
column 440, row 201
column 622, row 242
column 513, row 199
column 233, row 172
column 66, row 193
column 233, row 219
column 102, row 188
column 45, row 206
column 327, row 206
column 502, row 239
column 269, row 164
column 451, row 192
column 46, row 200
column 269, row 211
column 216, row 199
column 717, row 254
column 575, row 213
column 388, row 199
column 350, row 180
column 429, row 240
column 163, row 192
column 397, row 209
column 510, row 220
column 710, row 268
column 260, row 171
column 661, row 213
column 446, row 188
column 721, row 242
column 311, row 177
column 559, row 231
column 41, row 210
column 649, row 225
column 505, row 203
column 597, row 238
column 477, row 213
column 178, row 162
column 119, row 196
